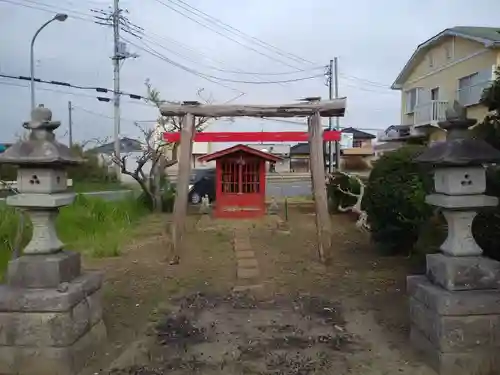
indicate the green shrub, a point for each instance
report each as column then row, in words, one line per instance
column 334, row 189
column 96, row 226
column 167, row 198
column 432, row 235
column 395, row 200
column 90, row 225
column 89, row 171
column 486, row 226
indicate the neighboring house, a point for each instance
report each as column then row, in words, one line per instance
column 128, row 146
column 278, row 149
column 299, row 158
column 456, row 64
column 400, row 133
column 361, row 152
column 383, row 148
column 199, row 149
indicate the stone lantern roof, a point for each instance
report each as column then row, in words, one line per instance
column 41, row 148
column 458, row 149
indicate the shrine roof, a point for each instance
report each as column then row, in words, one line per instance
column 240, row 148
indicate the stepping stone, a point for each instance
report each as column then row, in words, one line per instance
column 244, row 254
column 244, row 288
column 242, row 245
column 248, row 263
column 247, row 273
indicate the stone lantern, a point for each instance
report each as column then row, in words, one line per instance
column 50, row 311
column 455, row 307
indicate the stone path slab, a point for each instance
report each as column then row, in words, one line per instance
column 244, row 254
column 247, row 267
column 248, row 263
column 248, row 273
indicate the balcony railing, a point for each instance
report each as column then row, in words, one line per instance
column 430, row 113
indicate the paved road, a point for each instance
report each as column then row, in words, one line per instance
column 276, row 189
column 288, row 189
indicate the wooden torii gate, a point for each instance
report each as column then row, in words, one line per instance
column 312, row 108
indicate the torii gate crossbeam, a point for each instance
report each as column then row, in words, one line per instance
column 248, row 137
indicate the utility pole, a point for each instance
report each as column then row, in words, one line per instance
column 337, row 119
column 118, row 22
column 70, row 124
column 116, row 84
column 330, row 96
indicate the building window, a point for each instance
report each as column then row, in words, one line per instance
column 411, row 100
column 471, row 87
column 357, row 143
column 430, row 57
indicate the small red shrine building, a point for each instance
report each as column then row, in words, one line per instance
column 240, row 181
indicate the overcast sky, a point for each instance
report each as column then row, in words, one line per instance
column 372, row 40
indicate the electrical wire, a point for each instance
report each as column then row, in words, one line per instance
column 13, row 84
column 226, row 36
column 365, row 81
column 363, row 88
column 159, row 55
column 234, row 30
column 71, row 14
column 76, row 14
column 66, row 84
column 100, row 114
column 152, row 41
column 47, row 89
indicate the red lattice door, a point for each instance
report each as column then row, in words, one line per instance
column 250, row 177
column 241, row 193
column 240, row 176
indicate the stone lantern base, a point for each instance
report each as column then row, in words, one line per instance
column 455, row 314
column 50, row 315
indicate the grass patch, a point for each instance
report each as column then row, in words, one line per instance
column 88, row 186
column 92, row 226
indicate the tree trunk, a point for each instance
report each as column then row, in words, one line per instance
column 157, row 201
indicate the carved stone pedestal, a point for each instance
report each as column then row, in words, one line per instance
column 50, row 315
column 455, row 314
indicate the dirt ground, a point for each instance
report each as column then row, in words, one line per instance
column 305, row 318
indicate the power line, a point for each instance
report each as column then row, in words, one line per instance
column 70, row 93
column 100, row 114
column 224, row 35
column 234, row 30
column 150, row 40
column 47, row 89
column 73, row 15
column 220, row 78
column 59, row 7
column 365, row 81
column 80, row 87
column 158, row 55
column 373, row 90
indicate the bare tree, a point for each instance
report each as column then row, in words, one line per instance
column 154, row 148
